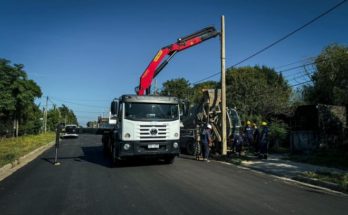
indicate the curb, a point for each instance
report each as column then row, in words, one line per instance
column 301, row 179
column 12, row 167
column 329, row 185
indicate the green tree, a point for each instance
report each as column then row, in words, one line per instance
column 17, row 93
column 177, row 87
column 197, row 89
column 7, row 102
column 67, row 115
column 31, row 122
column 53, row 118
column 60, row 115
column 257, row 91
column 330, row 81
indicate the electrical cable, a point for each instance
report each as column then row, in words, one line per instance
column 296, row 62
column 79, row 104
column 279, row 40
column 291, row 33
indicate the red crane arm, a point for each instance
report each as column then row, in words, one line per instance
column 154, row 68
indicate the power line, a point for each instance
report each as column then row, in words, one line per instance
column 290, row 69
column 297, row 72
column 301, row 76
column 204, row 79
column 78, row 111
column 293, row 73
column 81, row 100
column 282, row 71
column 87, row 117
column 296, row 67
column 279, row 40
column 302, row 83
column 291, row 33
column 54, row 104
column 304, row 65
column 79, row 104
column 296, row 62
column 271, row 91
column 82, row 111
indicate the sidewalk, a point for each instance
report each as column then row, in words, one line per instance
column 277, row 165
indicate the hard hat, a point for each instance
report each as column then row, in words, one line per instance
column 248, row 122
column 209, row 126
column 264, row 123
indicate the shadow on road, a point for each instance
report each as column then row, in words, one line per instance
column 95, row 155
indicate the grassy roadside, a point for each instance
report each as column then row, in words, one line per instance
column 332, row 158
column 13, row 148
column 340, row 179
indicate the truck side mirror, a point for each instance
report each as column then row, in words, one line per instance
column 114, row 107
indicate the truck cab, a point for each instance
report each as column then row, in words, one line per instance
column 146, row 126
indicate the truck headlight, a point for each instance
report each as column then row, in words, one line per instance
column 127, row 135
column 126, row 146
column 176, row 135
column 175, row 145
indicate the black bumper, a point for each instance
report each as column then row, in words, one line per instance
column 143, row 149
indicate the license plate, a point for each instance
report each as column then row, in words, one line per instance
column 153, row 146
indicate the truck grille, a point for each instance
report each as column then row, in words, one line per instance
column 152, row 131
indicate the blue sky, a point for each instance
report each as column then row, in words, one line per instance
column 83, row 53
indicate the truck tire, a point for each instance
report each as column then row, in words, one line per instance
column 114, row 160
column 192, row 148
column 169, row 160
column 105, row 149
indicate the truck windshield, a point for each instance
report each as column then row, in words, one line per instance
column 150, row 112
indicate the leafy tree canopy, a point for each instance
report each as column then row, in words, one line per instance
column 177, row 87
column 330, row 81
column 17, row 91
column 257, row 90
column 60, row 115
column 17, row 94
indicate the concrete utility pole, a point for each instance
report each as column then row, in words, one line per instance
column 223, row 86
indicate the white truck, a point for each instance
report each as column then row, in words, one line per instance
column 146, row 126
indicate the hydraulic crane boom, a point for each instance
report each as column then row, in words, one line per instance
column 154, row 68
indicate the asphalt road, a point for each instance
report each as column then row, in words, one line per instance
column 85, row 183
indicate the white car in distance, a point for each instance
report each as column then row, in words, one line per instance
column 70, row 131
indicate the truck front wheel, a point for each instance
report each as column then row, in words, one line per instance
column 169, row 159
column 114, row 159
column 193, row 148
